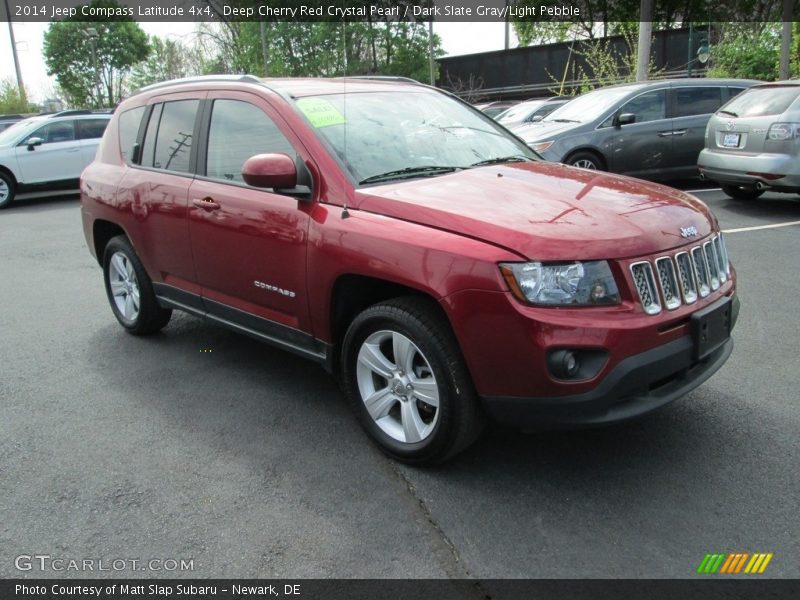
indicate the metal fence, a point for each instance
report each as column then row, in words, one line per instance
column 542, row 70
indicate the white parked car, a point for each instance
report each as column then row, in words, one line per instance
column 48, row 152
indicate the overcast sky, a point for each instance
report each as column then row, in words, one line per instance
column 457, row 38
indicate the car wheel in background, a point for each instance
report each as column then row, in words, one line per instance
column 130, row 291
column 741, row 193
column 7, row 189
column 586, row 160
column 405, row 377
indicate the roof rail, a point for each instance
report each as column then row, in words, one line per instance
column 383, row 78
column 74, row 111
column 199, row 79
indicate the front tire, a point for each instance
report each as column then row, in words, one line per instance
column 7, row 189
column 130, row 290
column 586, row 160
column 406, row 380
column 738, row 192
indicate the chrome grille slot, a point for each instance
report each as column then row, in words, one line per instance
column 726, row 258
column 701, row 272
column 721, row 262
column 713, row 264
column 668, row 282
column 686, row 277
column 645, row 283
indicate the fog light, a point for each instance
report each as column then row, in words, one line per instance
column 564, row 364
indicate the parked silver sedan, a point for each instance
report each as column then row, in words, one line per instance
column 752, row 142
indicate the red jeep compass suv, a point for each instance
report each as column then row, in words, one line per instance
column 412, row 246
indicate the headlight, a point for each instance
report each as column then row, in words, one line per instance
column 541, row 146
column 576, row 283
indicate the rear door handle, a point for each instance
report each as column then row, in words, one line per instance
column 206, row 203
column 665, row 133
column 73, row 149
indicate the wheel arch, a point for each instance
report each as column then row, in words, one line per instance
column 102, row 232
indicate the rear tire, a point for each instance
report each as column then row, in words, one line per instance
column 738, row 192
column 130, row 290
column 7, row 189
column 407, row 382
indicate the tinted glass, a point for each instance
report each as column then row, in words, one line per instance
column 697, row 101
column 759, row 102
column 62, row 131
column 128, row 130
column 174, row 137
column 238, row 131
column 89, row 129
column 650, row 106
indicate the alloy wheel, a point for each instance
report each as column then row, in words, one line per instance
column 124, row 286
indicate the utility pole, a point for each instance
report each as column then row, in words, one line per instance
column 264, row 52
column 20, row 85
column 430, row 52
column 507, row 26
column 645, row 31
column 786, row 39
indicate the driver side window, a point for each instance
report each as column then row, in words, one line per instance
column 650, row 106
column 61, row 131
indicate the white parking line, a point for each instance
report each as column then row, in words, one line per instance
column 757, row 227
column 703, row 190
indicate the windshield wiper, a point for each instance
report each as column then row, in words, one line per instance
column 563, row 120
column 429, row 170
column 728, row 112
column 502, row 159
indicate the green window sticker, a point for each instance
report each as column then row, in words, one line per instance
column 320, row 112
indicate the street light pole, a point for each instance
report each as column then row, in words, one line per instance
column 20, row 85
column 91, row 33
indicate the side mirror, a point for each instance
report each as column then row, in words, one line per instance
column 270, row 171
column 535, row 118
column 625, row 119
column 33, row 142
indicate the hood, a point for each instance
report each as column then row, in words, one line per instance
column 546, row 211
column 543, row 130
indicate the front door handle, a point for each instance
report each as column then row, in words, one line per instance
column 206, row 203
column 679, row 132
column 72, row 149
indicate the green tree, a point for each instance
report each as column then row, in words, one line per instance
column 168, row 59
column 68, row 54
column 11, row 101
column 747, row 50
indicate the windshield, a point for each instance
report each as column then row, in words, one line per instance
column 589, row 106
column 760, row 102
column 18, row 131
column 392, row 135
column 520, row 111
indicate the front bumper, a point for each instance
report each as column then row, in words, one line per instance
column 637, row 385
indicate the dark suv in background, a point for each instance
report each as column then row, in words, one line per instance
column 653, row 130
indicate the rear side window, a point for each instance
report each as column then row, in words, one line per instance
column 168, row 141
column 697, row 101
column 89, row 129
column 760, row 102
column 238, row 131
column 129, row 122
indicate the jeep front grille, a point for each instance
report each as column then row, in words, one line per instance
column 681, row 278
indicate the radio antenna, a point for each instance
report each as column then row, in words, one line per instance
column 345, row 212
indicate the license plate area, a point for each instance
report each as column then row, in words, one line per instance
column 711, row 327
column 731, row 140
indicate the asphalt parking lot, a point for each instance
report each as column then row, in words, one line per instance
column 205, row 445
